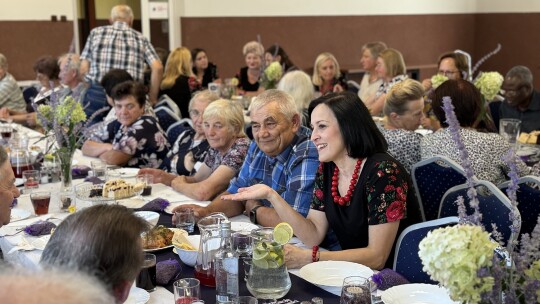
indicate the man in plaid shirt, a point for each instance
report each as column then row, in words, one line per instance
column 118, row 46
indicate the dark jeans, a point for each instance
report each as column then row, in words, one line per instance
column 95, row 100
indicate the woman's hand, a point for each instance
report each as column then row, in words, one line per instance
column 296, row 257
column 255, row 192
column 160, row 176
column 337, row 88
column 4, row 113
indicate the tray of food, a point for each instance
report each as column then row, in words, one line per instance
column 158, row 238
column 111, row 190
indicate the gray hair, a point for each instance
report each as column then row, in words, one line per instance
column 51, row 286
column 102, row 240
column 375, row 48
column 521, row 72
column 121, row 12
column 285, row 102
column 298, row 84
column 230, row 112
column 401, row 94
column 205, row 95
column 3, row 61
column 254, row 47
column 74, row 61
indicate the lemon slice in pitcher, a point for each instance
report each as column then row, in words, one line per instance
column 283, row 233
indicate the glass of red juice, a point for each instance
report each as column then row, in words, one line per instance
column 31, row 179
column 186, row 291
column 147, row 276
column 41, row 201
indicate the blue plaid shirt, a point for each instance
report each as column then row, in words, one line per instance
column 291, row 173
column 117, row 46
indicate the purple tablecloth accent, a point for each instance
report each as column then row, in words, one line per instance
column 301, row 289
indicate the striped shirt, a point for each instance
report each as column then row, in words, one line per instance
column 117, row 46
column 291, row 173
column 11, row 96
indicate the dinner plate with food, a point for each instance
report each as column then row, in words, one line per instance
column 158, row 238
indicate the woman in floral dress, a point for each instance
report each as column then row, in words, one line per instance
column 133, row 139
column 223, row 124
column 362, row 193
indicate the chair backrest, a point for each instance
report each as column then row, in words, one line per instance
column 528, row 198
column 432, row 178
column 493, row 204
column 166, row 117
column 406, row 259
column 165, row 100
column 177, row 128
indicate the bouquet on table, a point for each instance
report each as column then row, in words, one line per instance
column 271, row 75
column 462, row 259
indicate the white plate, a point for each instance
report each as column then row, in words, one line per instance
column 416, row 294
column 19, row 214
column 162, row 248
column 19, row 182
column 243, row 226
column 137, row 296
column 332, row 273
column 124, row 172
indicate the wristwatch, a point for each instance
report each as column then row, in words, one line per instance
column 253, row 214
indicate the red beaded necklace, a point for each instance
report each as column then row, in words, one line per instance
column 345, row 200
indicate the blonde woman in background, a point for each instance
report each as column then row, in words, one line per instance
column 403, row 112
column 250, row 75
column 298, row 84
column 391, row 68
column 178, row 82
column 327, row 77
column 370, row 81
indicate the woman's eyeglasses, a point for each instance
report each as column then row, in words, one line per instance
column 447, row 73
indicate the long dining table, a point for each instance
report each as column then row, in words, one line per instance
column 301, row 289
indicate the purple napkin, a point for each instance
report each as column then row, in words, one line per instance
column 158, row 205
column 14, row 203
column 80, row 171
column 39, row 228
column 387, row 278
column 94, row 180
column 167, row 270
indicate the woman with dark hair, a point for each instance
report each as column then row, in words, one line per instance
column 362, row 193
column 485, row 149
column 277, row 53
column 204, row 70
column 134, row 139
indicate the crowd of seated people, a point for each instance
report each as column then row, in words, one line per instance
column 317, row 155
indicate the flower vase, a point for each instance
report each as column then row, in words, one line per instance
column 66, row 158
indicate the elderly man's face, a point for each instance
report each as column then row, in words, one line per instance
column 516, row 91
column 272, row 131
column 8, row 192
column 66, row 74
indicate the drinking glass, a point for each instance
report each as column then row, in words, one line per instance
column 6, row 131
column 509, row 129
column 99, row 168
column 186, row 291
column 355, row 290
column 67, row 201
column 139, row 190
column 246, row 300
column 185, row 219
column 241, row 243
column 148, row 180
column 31, row 179
column 147, row 276
column 41, row 201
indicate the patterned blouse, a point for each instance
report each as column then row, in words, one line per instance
column 404, row 145
column 485, row 152
column 144, row 140
column 386, row 86
column 184, row 145
column 234, row 158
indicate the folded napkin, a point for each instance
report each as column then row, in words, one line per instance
column 167, row 271
column 94, row 180
column 26, row 245
column 80, row 171
column 158, row 205
column 40, row 228
column 387, row 278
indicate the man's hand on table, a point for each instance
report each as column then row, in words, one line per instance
column 198, row 211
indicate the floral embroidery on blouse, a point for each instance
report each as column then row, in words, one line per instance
column 234, row 158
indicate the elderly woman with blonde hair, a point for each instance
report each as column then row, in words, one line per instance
column 327, row 76
column 403, row 112
column 298, row 84
column 223, row 124
column 178, row 80
column 249, row 76
column 391, row 68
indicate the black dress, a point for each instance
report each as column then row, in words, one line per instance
column 210, row 74
column 383, row 194
column 181, row 92
column 243, row 81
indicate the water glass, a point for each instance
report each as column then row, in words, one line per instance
column 148, row 180
column 247, row 261
column 31, row 179
column 186, row 291
column 41, row 201
column 241, row 243
column 356, row 289
column 67, row 201
column 99, row 168
column 185, row 219
column 246, row 300
column 509, row 129
column 147, row 276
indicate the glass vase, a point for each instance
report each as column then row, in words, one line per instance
column 66, row 158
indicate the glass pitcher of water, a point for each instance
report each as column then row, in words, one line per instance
column 209, row 228
column 268, row 276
